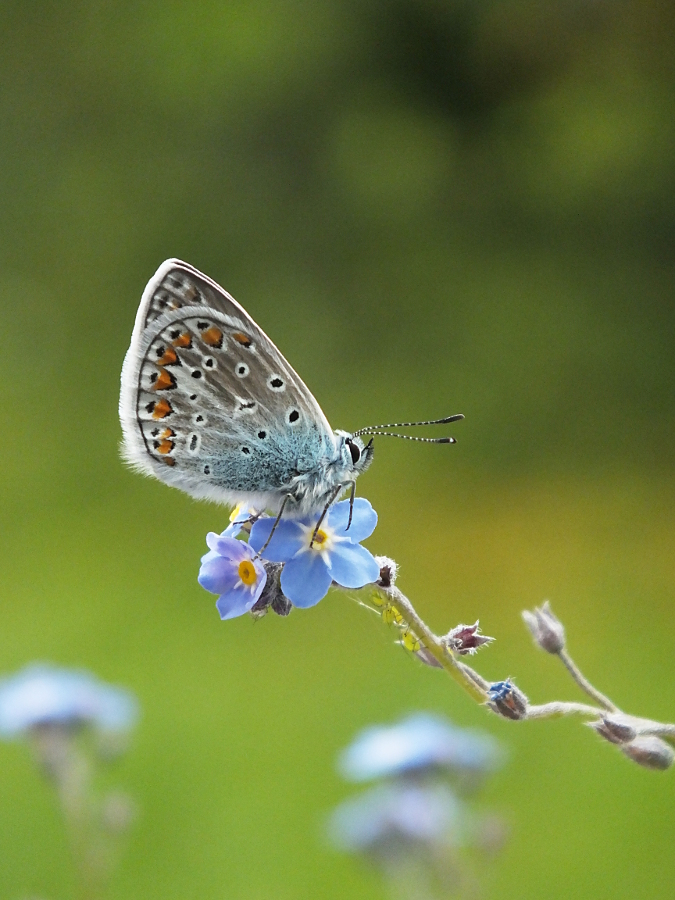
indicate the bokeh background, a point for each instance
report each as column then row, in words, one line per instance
column 432, row 207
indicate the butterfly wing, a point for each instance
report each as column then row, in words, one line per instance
column 208, row 404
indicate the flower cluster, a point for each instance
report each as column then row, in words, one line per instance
column 42, row 695
column 57, row 712
column 417, row 817
column 288, row 561
column 419, row 742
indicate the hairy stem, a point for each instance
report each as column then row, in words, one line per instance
column 456, row 670
column 559, row 708
column 584, row 683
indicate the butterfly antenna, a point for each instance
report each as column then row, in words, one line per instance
column 409, row 437
column 374, row 429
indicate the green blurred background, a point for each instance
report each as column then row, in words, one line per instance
column 432, row 207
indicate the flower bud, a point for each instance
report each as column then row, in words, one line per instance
column 650, row 751
column 506, row 700
column 546, row 629
column 465, row 639
column 614, row 730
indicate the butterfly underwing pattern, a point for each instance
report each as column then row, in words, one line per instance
column 209, row 405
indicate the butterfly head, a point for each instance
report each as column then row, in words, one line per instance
column 354, row 451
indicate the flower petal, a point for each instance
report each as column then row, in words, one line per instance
column 218, row 575
column 352, row 566
column 239, row 600
column 364, row 519
column 286, row 540
column 229, row 547
column 305, row 580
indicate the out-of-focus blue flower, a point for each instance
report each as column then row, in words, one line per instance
column 420, row 741
column 231, row 570
column 334, row 555
column 396, row 813
column 47, row 695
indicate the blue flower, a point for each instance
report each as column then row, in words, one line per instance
column 421, row 741
column 390, row 814
column 334, row 555
column 231, row 570
column 41, row 695
column 238, row 517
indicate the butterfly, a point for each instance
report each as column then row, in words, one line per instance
column 209, row 405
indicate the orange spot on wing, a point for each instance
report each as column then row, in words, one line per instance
column 164, row 447
column 170, row 358
column 168, row 433
column 162, row 409
column 242, row 338
column 183, row 340
column 164, row 381
column 169, row 461
column 213, row 336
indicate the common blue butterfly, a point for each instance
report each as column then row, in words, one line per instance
column 209, row 405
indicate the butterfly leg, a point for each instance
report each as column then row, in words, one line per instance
column 276, row 522
column 352, row 494
column 328, row 505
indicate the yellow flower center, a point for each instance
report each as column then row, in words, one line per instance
column 247, row 572
column 320, row 538
column 322, row 542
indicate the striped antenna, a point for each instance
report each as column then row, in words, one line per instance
column 409, row 437
column 371, row 429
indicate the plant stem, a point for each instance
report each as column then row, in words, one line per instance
column 457, row 671
column 559, row 708
column 584, row 683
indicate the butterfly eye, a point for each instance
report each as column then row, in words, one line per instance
column 354, row 450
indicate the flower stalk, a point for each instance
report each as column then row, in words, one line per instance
column 646, row 742
column 432, row 643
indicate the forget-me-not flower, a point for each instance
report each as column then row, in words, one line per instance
column 42, row 695
column 240, row 515
column 395, row 813
column 311, row 562
column 231, row 569
column 420, row 741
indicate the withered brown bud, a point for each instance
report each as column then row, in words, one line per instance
column 388, row 570
column 507, row 700
column 650, row 751
column 465, row 639
column 272, row 596
column 546, row 629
